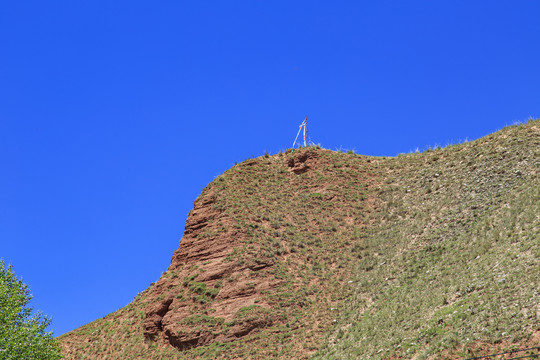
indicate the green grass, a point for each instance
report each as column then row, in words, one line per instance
column 459, row 237
column 419, row 255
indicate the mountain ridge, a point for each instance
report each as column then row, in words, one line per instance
column 288, row 255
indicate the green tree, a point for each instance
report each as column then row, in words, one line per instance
column 22, row 334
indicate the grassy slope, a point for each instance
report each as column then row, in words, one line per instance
column 375, row 257
column 459, row 253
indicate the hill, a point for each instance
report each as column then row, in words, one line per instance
column 336, row 255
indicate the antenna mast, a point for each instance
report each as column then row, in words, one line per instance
column 302, row 125
column 305, row 132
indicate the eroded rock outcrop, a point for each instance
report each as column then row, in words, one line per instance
column 204, row 294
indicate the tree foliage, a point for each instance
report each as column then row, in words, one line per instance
column 22, row 334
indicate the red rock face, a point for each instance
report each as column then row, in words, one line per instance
column 202, row 280
column 152, row 324
column 302, row 161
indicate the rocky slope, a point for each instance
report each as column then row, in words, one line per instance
column 336, row 255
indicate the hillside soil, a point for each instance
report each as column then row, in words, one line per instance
column 315, row 253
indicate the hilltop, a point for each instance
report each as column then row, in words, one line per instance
column 332, row 255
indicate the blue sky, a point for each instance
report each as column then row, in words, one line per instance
column 115, row 114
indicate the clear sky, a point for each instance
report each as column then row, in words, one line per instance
column 115, row 114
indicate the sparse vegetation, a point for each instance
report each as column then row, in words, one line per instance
column 425, row 255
